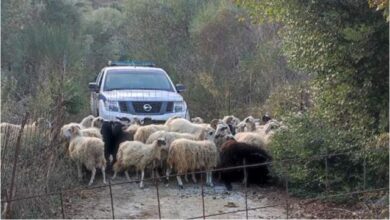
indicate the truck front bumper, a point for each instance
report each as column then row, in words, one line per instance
column 113, row 116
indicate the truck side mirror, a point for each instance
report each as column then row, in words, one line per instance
column 180, row 88
column 93, row 86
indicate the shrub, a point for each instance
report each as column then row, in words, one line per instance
column 310, row 137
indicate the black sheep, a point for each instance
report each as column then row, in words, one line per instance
column 113, row 134
column 234, row 153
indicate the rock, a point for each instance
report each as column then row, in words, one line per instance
column 214, row 197
column 231, row 205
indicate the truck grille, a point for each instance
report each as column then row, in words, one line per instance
column 169, row 107
column 123, row 107
column 139, row 107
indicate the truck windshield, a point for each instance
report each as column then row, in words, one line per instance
column 130, row 79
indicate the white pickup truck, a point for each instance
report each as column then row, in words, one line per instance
column 136, row 90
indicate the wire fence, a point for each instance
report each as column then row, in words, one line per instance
column 59, row 195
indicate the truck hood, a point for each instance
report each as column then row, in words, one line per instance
column 141, row 95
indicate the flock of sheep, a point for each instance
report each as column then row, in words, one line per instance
column 179, row 146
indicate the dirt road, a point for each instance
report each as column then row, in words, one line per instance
column 132, row 202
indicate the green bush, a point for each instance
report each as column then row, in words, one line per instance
column 310, row 173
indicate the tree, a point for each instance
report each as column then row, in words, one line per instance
column 343, row 45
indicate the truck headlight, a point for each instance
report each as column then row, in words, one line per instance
column 112, row 106
column 179, row 106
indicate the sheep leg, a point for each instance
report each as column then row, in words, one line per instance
column 186, row 177
column 141, row 184
column 193, row 177
column 79, row 172
column 113, row 177
column 104, row 174
column 92, row 176
column 127, row 175
column 157, row 174
column 245, row 180
column 210, row 178
column 179, row 181
column 167, row 173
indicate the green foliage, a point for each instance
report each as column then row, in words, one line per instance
column 290, row 100
column 306, row 142
column 343, row 47
column 382, row 5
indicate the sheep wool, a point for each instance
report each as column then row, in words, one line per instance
column 197, row 120
column 88, row 151
column 251, row 138
column 87, row 121
column 184, row 126
column 144, row 132
column 137, row 154
column 97, row 122
column 189, row 155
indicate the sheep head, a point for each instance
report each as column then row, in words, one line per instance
column 70, row 130
column 209, row 134
column 74, row 130
column 214, row 123
column 117, row 128
column 97, row 122
column 222, row 130
column 159, row 143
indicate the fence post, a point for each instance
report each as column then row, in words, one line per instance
column 326, row 172
column 364, row 168
column 287, row 194
column 62, row 205
column 246, row 189
column 112, row 201
column 7, row 210
column 202, row 187
column 158, row 197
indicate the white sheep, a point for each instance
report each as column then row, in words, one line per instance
column 241, row 127
column 87, row 121
column 258, row 135
column 137, row 154
column 169, row 137
column 197, row 120
column 132, row 129
column 86, row 132
column 250, row 123
column 231, row 120
column 97, row 122
column 251, row 138
column 184, row 126
column 168, row 122
column 142, row 134
column 87, row 151
column 188, row 155
column 39, row 128
column 221, row 134
column 8, row 128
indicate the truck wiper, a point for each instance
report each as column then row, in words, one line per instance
column 117, row 89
